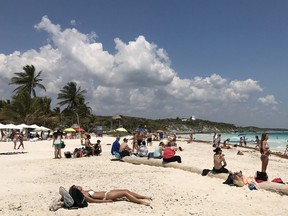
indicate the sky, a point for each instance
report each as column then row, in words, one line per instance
column 223, row 61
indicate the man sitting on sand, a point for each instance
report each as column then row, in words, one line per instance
column 115, row 146
column 113, row 195
column 124, row 149
column 219, row 161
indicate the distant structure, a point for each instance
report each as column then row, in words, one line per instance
column 193, row 118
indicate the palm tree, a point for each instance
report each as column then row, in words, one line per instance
column 71, row 96
column 24, row 109
column 27, row 81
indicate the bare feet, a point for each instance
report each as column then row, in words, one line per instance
column 145, row 203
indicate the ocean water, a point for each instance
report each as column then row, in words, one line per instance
column 277, row 140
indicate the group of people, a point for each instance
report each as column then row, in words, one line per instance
column 166, row 152
column 219, row 163
column 17, row 136
column 89, row 150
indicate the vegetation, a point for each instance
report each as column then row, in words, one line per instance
column 26, row 107
column 27, row 81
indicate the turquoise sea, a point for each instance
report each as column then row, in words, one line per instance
column 277, row 140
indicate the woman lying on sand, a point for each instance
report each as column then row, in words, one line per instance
column 112, row 195
column 240, row 180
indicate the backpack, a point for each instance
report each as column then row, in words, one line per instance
column 262, row 176
column 79, row 199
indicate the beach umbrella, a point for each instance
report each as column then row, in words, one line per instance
column 116, row 117
column 141, row 129
column 11, row 126
column 121, row 130
column 33, row 126
column 79, row 129
column 69, row 130
column 23, row 126
column 42, row 128
column 75, row 126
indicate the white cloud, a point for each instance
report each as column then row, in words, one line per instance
column 268, row 100
column 73, row 22
column 136, row 80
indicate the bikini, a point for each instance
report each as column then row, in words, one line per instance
column 91, row 193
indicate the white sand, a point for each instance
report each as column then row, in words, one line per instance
column 30, row 181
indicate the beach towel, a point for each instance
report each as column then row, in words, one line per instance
column 12, row 153
column 278, row 180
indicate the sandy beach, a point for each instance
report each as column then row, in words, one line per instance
column 30, row 181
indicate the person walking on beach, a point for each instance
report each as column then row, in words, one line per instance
column 14, row 137
column 21, row 137
column 265, row 151
column 113, row 195
column 219, row 161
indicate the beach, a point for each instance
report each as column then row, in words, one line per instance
column 30, row 181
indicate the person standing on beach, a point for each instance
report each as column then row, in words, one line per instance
column 219, row 161
column 218, row 140
column 257, row 141
column 21, row 137
column 57, row 139
column 214, row 140
column 265, row 151
column 14, row 137
column 149, row 138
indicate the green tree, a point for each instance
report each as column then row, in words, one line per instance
column 72, row 96
column 24, row 109
column 27, row 81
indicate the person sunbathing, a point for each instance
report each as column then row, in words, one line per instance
column 113, row 195
column 240, row 180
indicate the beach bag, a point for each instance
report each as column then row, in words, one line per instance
column 67, row 154
column 79, row 199
column 66, row 197
column 262, row 176
column 63, row 144
column 205, row 172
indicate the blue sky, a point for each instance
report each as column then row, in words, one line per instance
column 218, row 60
